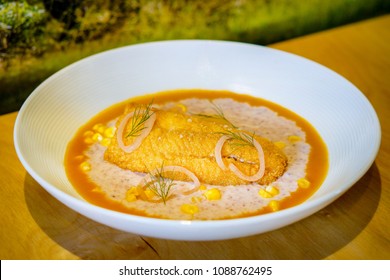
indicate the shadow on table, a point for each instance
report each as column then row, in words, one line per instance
column 315, row 237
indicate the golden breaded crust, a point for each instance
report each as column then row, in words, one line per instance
column 189, row 141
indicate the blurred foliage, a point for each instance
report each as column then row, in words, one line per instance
column 38, row 37
column 88, row 19
column 33, row 27
column 21, row 27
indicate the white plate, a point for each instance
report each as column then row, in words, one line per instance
column 60, row 105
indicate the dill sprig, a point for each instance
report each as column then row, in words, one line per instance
column 160, row 185
column 241, row 138
column 219, row 114
column 141, row 114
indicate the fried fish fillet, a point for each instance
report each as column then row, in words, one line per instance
column 189, row 141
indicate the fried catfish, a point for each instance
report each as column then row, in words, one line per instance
column 181, row 139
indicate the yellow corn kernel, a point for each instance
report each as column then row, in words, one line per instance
column 88, row 137
column 303, row 183
column 133, row 190
column 149, row 193
column 109, row 132
column 196, row 199
column 189, row 209
column 85, row 166
column 274, row 205
column 106, row 142
column 280, row 144
column 131, row 197
column 182, row 107
column 97, row 137
column 79, row 157
column 272, row 190
column 294, row 138
column 133, row 193
column 263, row 193
column 88, row 140
column 212, row 194
column 202, row 187
column 97, row 189
column 88, row 133
column 99, row 127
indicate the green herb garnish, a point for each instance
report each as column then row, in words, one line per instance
column 219, row 114
column 159, row 184
column 141, row 114
column 241, row 138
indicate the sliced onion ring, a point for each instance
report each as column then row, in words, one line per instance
column 260, row 173
column 174, row 168
column 218, row 151
column 137, row 142
column 218, row 157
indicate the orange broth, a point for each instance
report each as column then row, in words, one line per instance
column 316, row 168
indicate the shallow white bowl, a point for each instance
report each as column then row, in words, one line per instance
column 60, row 105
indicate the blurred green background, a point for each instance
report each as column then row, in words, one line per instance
column 39, row 37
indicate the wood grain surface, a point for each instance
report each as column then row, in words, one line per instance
column 34, row 225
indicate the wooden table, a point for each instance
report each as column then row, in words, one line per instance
column 34, row 225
